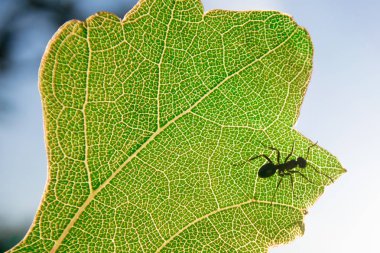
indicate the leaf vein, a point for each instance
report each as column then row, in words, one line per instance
column 93, row 194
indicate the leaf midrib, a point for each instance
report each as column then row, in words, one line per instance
column 93, row 194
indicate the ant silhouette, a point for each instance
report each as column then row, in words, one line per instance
column 287, row 168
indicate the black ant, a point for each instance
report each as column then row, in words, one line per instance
column 288, row 168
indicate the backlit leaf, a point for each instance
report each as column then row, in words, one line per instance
column 150, row 121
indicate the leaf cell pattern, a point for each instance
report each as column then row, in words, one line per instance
column 145, row 118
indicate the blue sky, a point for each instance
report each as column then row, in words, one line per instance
column 341, row 110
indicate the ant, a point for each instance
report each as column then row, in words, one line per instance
column 288, row 168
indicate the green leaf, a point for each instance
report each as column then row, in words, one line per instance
column 150, row 121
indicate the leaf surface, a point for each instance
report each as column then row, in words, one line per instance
column 150, row 120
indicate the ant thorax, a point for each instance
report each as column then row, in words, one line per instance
column 288, row 165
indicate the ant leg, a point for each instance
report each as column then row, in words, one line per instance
column 291, row 153
column 302, row 175
column 291, row 181
column 278, row 154
column 278, row 185
column 308, row 149
column 253, row 158
column 332, row 180
column 274, row 149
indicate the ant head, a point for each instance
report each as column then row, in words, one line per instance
column 301, row 162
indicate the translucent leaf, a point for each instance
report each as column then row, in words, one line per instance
column 150, row 123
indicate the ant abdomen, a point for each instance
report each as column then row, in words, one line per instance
column 267, row 170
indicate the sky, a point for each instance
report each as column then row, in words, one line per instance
column 341, row 111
